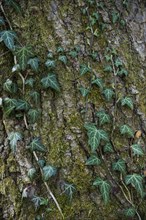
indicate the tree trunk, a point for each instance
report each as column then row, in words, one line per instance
column 100, row 40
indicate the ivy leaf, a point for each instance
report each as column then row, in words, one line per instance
column 9, row 105
column 31, row 173
column 50, row 55
column 127, row 101
column 23, row 54
column 108, row 94
column 60, row 50
column 41, row 163
column 14, row 137
column 103, row 117
column 136, row 181
column 9, row 86
column 115, row 17
column 108, row 68
column 98, row 82
column 8, row 37
column 36, row 145
column 34, row 63
column 35, row 96
column 50, row 81
column 84, row 91
column 69, row 189
column 118, row 62
column 33, row 115
column 48, row 171
column 104, row 188
column 44, row 201
column 73, row 54
column 30, row 82
column 50, row 63
column 22, row 105
column 2, row 21
column 122, row 72
column 137, row 150
column 63, row 59
column 15, row 5
column 84, row 69
column 93, row 160
column 130, row 212
column 36, row 200
column 125, row 129
column 119, row 166
column 108, row 148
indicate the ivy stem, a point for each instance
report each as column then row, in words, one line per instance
column 48, row 188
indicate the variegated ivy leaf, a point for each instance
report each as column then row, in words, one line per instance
column 108, row 68
column 118, row 62
column 50, row 55
column 30, row 82
column 126, row 130
column 84, row 91
column 84, row 69
column 108, row 148
column 122, row 72
column 23, row 54
column 33, row 115
column 127, row 101
column 108, row 94
column 22, row 105
column 31, row 173
column 14, row 137
column 48, row 171
column 50, row 81
column 103, row 117
column 34, row 63
column 36, row 145
column 137, row 150
column 130, row 212
column 8, row 37
column 73, row 53
column 50, row 63
column 93, row 160
column 9, row 106
column 35, row 97
column 119, row 166
column 41, row 163
column 104, row 188
column 63, row 59
column 136, row 181
column 98, row 82
column 60, row 50
column 69, row 189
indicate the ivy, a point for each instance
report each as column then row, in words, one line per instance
column 50, row 81
column 50, row 64
column 136, row 181
column 137, row 150
column 35, row 97
column 98, row 82
column 103, row 117
column 93, row 160
column 48, row 171
column 119, row 166
column 14, row 137
column 84, row 91
column 69, row 190
column 130, row 212
column 30, row 82
column 33, row 115
column 34, row 63
column 36, row 145
column 2, row 21
column 84, row 69
column 126, row 130
column 104, row 188
column 63, row 59
column 8, row 38
column 22, row 105
column 108, row 94
column 31, row 173
column 108, row 148
column 9, row 86
column 127, row 101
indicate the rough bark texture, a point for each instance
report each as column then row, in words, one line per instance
column 46, row 25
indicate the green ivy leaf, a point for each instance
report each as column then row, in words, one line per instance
column 35, row 96
column 44, row 202
column 22, row 105
column 9, row 86
column 9, row 105
column 50, row 81
column 98, row 82
column 23, row 54
column 14, row 5
column 108, row 94
column 84, row 91
column 50, row 64
column 122, row 72
column 108, row 68
column 115, row 17
column 103, row 117
column 69, row 189
column 119, row 166
column 14, row 137
column 108, row 58
column 34, row 63
column 36, row 145
column 63, row 59
column 136, row 181
column 2, row 21
column 36, row 200
column 73, row 54
column 93, row 160
column 130, row 212
column 108, row 148
column 8, row 37
column 41, row 163
column 50, row 55
column 31, row 173
column 137, row 150
column 118, row 62
column 33, row 115
column 127, row 101
column 104, row 188
column 30, row 82
column 84, row 69
column 48, row 171
column 126, row 130
column 60, row 50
